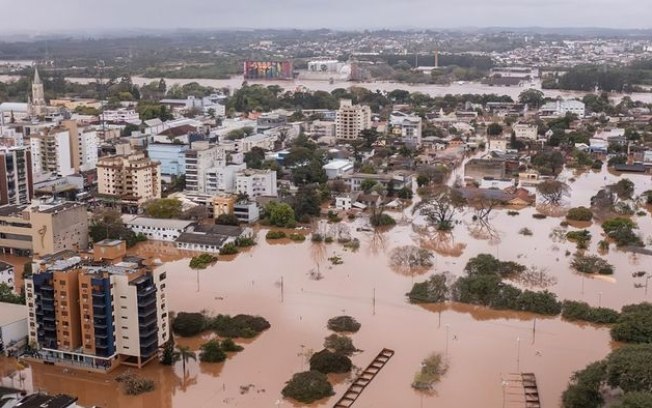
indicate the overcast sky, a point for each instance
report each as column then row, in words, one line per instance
column 42, row 16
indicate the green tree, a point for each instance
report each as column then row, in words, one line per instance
column 189, row 324
column 328, row 362
column 532, row 97
column 629, row 368
column 367, row 185
column 227, row 219
column 165, row 208
column 211, row 352
column 168, row 355
column 280, row 214
column 494, row 129
column 307, row 387
column 634, row 324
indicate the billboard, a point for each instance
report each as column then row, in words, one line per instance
column 268, row 70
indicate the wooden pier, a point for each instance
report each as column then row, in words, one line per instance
column 360, row 383
column 521, row 391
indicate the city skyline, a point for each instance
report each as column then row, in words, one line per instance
column 73, row 15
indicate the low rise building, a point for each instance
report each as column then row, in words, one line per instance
column 562, row 107
column 337, row 168
column 209, row 238
column 156, row 229
column 171, row 156
column 525, row 131
column 407, row 127
column 398, row 180
column 246, row 211
column 481, row 168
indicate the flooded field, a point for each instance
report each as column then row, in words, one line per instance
column 482, row 346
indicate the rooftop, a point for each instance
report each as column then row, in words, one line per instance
column 9, row 210
column 47, row 401
column 201, row 238
column 156, row 223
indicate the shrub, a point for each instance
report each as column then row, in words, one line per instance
column 353, row 244
column 434, row 290
column 202, row 261
column 539, row 216
column 227, row 219
column 620, row 229
column 229, row 249
column 581, row 238
column 189, row 324
column 591, row 264
column 244, row 326
column 381, row 220
column 513, row 213
column 539, row 302
column 211, row 352
column 245, row 241
column 336, row 260
column 134, row 385
column 340, row 344
column 316, row 237
column 328, row 240
column 581, row 311
column 307, row 387
column 432, row 369
column 525, row 231
column 634, row 324
column 579, row 214
column 343, row 324
column 229, row 346
column 327, row 362
column 297, row 237
column 275, row 234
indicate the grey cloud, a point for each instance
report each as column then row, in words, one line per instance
column 47, row 15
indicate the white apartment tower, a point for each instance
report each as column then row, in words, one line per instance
column 256, row 183
column 351, row 120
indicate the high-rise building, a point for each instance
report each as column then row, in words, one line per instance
column 132, row 179
column 99, row 313
column 351, row 120
column 52, row 153
column 199, row 160
column 15, row 175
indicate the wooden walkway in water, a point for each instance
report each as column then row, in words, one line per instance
column 360, row 383
column 521, row 391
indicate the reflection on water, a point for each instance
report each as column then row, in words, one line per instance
column 482, row 344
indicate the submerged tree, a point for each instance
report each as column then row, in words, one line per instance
column 410, row 259
column 553, row 191
column 441, row 208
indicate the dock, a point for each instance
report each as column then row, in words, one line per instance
column 364, row 379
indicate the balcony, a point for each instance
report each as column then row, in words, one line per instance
column 145, row 303
column 148, row 290
column 146, row 334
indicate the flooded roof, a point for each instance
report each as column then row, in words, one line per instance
column 201, row 238
column 226, row 230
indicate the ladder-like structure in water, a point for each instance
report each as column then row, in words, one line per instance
column 360, row 383
column 531, row 390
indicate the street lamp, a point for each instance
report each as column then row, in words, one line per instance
column 504, row 384
column 518, row 354
column 599, row 299
column 447, row 329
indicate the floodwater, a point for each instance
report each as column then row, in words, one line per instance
column 235, row 82
column 482, row 346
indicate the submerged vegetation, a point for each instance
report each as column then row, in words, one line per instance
column 245, row 326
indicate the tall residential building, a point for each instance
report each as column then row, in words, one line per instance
column 99, row 313
column 222, row 179
column 16, row 184
column 256, row 183
column 132, row 179
column 351, row 120
column 39, row 107
column 84, row 144
column 52, row 153
column 200, row 159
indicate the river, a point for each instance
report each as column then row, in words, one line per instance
column 482, row 346
column 384, row 86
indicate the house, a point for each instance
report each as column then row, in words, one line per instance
column 525, row 131
column 398, row 180
column 13, row 327
column 343, row 203
column 481, row 168
column 370, row 200
column 529, row 177
column 498, row 144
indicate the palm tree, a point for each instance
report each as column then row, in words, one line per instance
column 184, row 354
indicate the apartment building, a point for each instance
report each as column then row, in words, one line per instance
column 202, row 157
column 256, row 183
column 132, row 179
column 351, row 120
column 222, row 179
column 525, row 131
column 16, row 183
column 52, row 153
column 407, row 127
column 96, row 313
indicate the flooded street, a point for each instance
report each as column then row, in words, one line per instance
column 483, row 346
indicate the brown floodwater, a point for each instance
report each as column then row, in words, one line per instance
column 278, row 281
